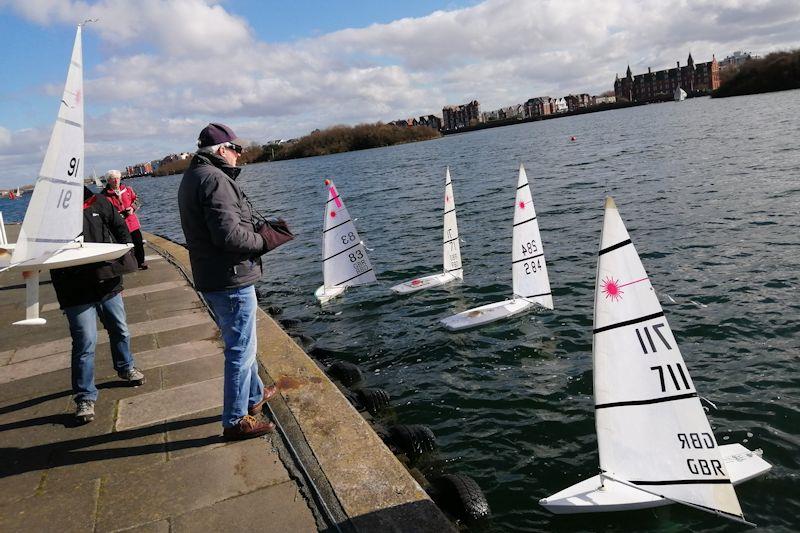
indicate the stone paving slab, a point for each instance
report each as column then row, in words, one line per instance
column 145, row 289
column 205, row 479
column 269, row 509
column 70, row 510
column 189, row 318
column 170, row 355
column 166, row 404
column 34, row 367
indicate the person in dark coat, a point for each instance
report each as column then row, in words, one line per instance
column 86, row 292
column 225, row 253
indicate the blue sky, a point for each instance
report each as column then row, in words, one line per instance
column 156, row 71
column 41, row 51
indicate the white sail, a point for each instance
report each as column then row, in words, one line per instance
column 529, row 276
column 451, row 250
column 344, row 256
column 651, row 429
column 451, row 247
column 51, row 219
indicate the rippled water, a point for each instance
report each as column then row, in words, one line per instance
column 710, row 192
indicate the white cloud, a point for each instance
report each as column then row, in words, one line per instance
column 5, row 137
column 171, row 66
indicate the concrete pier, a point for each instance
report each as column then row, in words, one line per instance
column 153, row 459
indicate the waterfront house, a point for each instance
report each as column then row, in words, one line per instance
column 456, row 117
column 578, row 101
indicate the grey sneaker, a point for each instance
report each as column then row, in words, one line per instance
column 84, row 412
column 133, row 376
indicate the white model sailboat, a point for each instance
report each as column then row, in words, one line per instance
column 679, row 95
column 344, row 255
column 50, row 234
column 531, row 284
column 98, row 181
column 451, row 249
column 655, row 442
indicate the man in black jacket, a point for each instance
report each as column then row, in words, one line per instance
column 87, row 291
column 224, row 250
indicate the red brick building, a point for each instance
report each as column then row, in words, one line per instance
column 696, row 79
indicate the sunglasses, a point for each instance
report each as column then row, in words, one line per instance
column 235, row 147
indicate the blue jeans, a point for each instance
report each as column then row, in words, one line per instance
column 235, row 311
column 83, row 329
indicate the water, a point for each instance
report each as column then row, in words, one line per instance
column 709, row 191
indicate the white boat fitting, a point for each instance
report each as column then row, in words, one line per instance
column 655, row 443
column 530, row 282
column 344, row 256
column 50, row 234
column 451, row 249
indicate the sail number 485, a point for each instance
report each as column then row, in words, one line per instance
column 529, row 248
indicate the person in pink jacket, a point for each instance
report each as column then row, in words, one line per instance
column 124, row 200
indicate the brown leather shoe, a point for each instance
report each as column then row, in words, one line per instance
column 269, row 392
column 247, row 428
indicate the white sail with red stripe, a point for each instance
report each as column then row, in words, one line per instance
column 344, row 256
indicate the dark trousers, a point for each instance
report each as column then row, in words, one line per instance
column 138, row 246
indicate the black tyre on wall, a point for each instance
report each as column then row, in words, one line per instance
column 460, row 496
column 373, row 400
column 347, row 374
column 413, row 439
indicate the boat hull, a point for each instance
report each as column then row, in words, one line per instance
column 588, row 496
column 486, row 314
column 427, row 282
column 83, row 254
column 326, row 294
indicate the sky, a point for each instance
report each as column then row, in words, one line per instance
column 157, row 71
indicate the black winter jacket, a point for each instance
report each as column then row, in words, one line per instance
column 224, row 248
column 79, row 285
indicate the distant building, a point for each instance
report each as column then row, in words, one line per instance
column 600, row 100
column 456, row 117
column 578, row 101
column 431, row 121
column 695, row 79
column 404, row 122
column 539, row 107
column 559, row 105
column 736, row 60
column 516, row 111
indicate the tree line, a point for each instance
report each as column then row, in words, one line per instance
column 332, row 140
column 778, row 71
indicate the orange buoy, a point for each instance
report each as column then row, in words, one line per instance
column 327, row 182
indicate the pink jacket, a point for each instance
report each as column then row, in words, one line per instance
column 122, row 200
